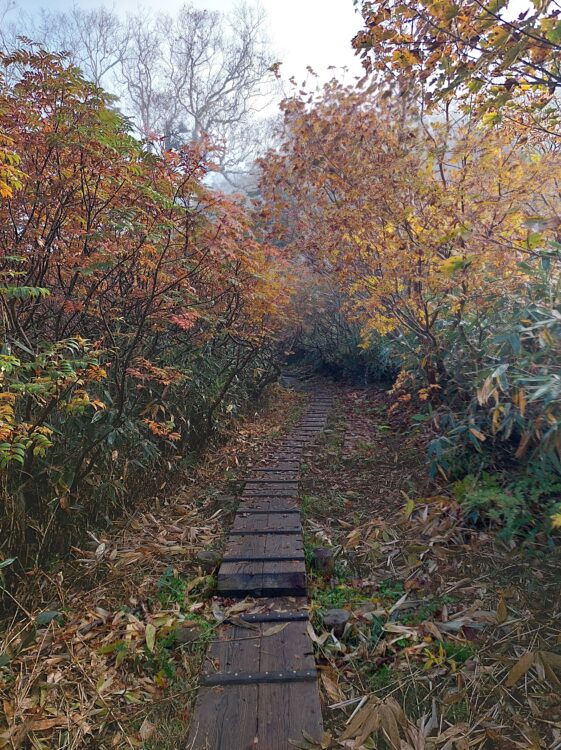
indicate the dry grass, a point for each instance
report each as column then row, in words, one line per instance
column 441, row 612
column 96, row 661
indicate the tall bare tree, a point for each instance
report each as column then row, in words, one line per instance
column 196, row 73
column 200, row 72
column 92, row 39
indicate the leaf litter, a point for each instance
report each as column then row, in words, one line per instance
column 454, row 640
column 110, row 654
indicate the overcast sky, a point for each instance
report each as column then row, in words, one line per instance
column 303, row 32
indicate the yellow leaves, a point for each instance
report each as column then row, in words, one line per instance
column 446, row 11
column 519, row 400
column 556, row 520
column 10, row 176
column 439, row 659
column 496, row 419
column 96, row 373
column 405, row 58
column 150, row 635
column 453, row 264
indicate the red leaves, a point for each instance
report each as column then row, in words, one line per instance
column 186, row 320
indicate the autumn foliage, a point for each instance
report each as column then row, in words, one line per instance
column 137, row 304
column 442, row 231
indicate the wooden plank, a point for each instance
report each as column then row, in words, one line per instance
column 263, row 547
column 261, row 678
column 225, row 719
column 266, row 501
column 275, row 472
column 236, row 649
column 238, row 713
column 265, row 522
column 277, row 532
column 247, row 545
column 284, row 578
column 260, row 511
column 287, row 465
column 276, row 475
column 267, row 492
column 276, row 616
column 262, row 579
column 285, row 712
column 262, row 558
column 287, row 649
column 260, row 650
column 283, row 545
column 272, row 503
column 273, row 482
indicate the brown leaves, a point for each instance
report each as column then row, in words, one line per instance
column 377, row 716
column 310, row 743
column 502, row 611
column 545, row 662
column 520, row 668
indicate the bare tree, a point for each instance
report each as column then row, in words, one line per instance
column 93, row 40
column 196, row 74
column 201, row 72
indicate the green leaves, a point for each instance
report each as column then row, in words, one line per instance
column 23, row 292
column 46, row 617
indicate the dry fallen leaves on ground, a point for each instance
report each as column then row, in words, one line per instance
column 115, row 636
column 458, row 632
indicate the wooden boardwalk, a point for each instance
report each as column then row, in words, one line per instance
column 259, row 686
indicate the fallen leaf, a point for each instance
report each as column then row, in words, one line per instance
column 502, row 611
column 150, row 637
column 520, row 668
column 274, row 629
column 147, row 729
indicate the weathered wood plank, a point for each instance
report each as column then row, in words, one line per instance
column 266, row 522
column 253, row 706
column 225, row 719
column 285, row 712
column 262, row 579
column 268, row 503
column 268, row 492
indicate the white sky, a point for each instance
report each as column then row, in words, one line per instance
column 303, row 32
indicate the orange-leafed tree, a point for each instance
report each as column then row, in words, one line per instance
column 137, row 303
column 420, row 220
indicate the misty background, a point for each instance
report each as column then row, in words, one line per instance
column 214, row 69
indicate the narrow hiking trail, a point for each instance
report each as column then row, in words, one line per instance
column 259, row 686
column 452, row 639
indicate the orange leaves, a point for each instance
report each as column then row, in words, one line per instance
column 414, row 223
column 162, row 429
column 461, row 47
column 186, row 320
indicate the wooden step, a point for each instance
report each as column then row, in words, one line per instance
column 260, row 690
column 259, row 687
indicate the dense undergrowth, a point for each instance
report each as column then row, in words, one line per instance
column 447, row 627
column 139, row 310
